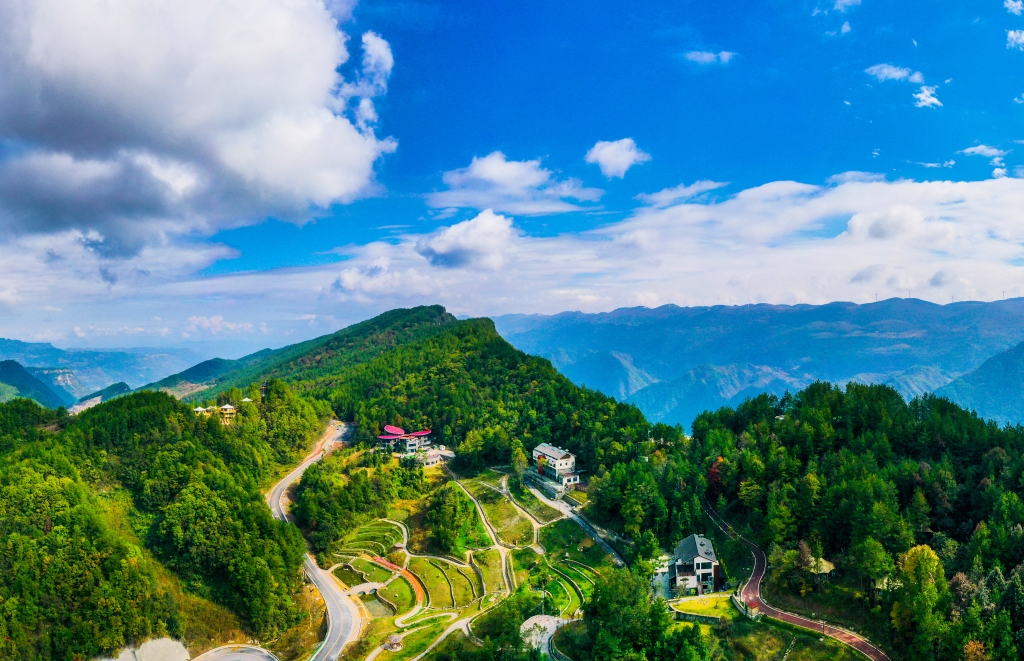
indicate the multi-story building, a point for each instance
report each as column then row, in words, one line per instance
column 695, row 566
column 556, row 464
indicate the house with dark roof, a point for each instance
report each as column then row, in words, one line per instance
column 695, row 566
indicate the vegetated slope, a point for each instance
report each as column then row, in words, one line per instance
column 493, row 403
column 73, row 589
column 23, row 384
column 913, row 345
column 995, row 390
column 96, row 369
column 108, row 393
column 924, row 498
column 307, row 360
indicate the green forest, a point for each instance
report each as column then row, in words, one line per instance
column 918, row 504
column 928, row 554
column 72, row 588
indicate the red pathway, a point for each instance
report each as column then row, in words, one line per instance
column 751, row 593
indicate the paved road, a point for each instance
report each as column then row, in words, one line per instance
column 751, row 592
column 237, row 653
column 343, row 614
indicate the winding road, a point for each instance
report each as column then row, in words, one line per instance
column 751, row 593
column 343, row 614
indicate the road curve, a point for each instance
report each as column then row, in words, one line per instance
column 568, row 510
column 342, row 613
column 237, row 653
column 751, row 592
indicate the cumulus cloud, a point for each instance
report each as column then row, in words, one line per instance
column 517, row 187
column 1015, row 7
column 615, row 158
column 996, row 155
column 707, row 57
column 679, row 193
column 885, row 72
column 143, row 121
column 843, row 5
column 483, row 241
column 925, row 97
column 1015, row 39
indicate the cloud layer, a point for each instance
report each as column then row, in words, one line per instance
column 139, row 121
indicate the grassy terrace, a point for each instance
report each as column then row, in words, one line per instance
column 512, row 527
column 372, row 572
column 532, row 504
column 435, row 580
column 489, row 563
column 714, row 605
column 399, row 593
column 567, row 544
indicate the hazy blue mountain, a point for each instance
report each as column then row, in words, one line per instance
column 15, row 381
column 92, row 370
column 995, row 390
column 62, row 381
column 710, row 387
column 672, row 360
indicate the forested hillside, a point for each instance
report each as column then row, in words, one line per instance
column 921, row 501
column 71, row 587
column 314, row 358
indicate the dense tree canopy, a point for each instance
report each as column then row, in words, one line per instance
column 71, row 588
column 922, row 498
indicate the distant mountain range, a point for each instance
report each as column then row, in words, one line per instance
column 675, row 362
column 81, row 371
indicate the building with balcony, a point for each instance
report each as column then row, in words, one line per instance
column 695, row 567
column 554, row 463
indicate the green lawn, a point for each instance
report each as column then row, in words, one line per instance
column 532, row 504
column 511, row 526
column 435, row 582
column 415, row 643
column 524, row 563
column 373, row 573
column 565, row 540
column 713, row 605
column 399, row 593
column 586, row 586
column 489, row 562
column 474, row 580
column 462, row 585
column 349, row 577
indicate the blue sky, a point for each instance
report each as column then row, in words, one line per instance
column 264, row 171
column 536, row 80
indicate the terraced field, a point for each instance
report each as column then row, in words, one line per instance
column 435, row 580
column 400, row 593
column 532, row 504
column 512, row 527
column 489, row 562
column 373, row 573
column 566, row 541
column 375, row 538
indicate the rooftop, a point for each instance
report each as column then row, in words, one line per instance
column 693, row 546
column 551, row 451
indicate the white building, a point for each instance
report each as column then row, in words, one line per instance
column 556, row 464
column 695, row 566
column 434, row 456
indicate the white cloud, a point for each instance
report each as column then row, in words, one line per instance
column 615, row 158
column 999, row 173
column 846, row 28
column 707, row 57
column 988, row 152
column 1015, row 39
column 215, row 325
column 518, row 187
column 926, row 97
column 885, row 72
column 843, row 5
column 1015, row 7
column 146, row 122
column 483, row 241
column 679, row 193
